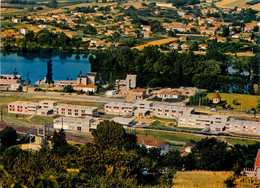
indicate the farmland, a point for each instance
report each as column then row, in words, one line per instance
column 156, row 42
column 200, row 179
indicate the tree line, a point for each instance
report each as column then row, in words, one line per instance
column 157, row 69
column 113, row 160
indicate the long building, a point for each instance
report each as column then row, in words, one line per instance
column 202, row 121
column 75, row 124
column 10, row 82
column 75, row 110
column 23, row 107
column 171, row 112
column 119, row 108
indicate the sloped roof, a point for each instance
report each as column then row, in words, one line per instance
column 257, row 161
column 139, row 90
column 148, row 141
column 216, row 96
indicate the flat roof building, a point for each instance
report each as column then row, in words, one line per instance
column 123, row 121
column 75, row 110
column 120, row 108
column 73, row 123
column 23, row 107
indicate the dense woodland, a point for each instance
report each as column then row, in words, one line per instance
column 114, row 160
column 173, row 69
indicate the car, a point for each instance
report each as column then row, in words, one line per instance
column 62, row 94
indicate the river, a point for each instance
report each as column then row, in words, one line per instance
column 63, row 66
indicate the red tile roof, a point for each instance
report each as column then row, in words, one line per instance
column 87, row 86
column 139, row 90
column 148, row 141
column 257, row 161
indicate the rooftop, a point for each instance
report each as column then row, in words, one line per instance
column 148, row 141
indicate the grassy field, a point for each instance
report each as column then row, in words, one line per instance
column 232, row 3
column 182, row 137
column 156, row 42
column 247, row 101
column 11, row 98
column 256, row 7
column 201, row 179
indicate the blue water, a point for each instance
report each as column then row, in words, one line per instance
column 38, row 66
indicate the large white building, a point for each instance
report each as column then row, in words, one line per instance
column 75, row 124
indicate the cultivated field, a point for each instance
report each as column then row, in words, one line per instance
column 232, row 3
column 247, row 101
column 256, row 7
column 201, row 179
column 156, row 42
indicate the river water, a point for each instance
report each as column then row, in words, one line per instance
column 37, row 66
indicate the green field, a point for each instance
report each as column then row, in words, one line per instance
column 247, row 101
column 182, row 137
column 202, row 179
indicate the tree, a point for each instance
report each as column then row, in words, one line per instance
column 212, row 154
column 111, row 134
column 53, row 3
column 49, row 72
column 89, row 29
column 59, row 139
column 8, row 138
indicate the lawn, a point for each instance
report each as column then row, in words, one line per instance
column 11, row 98
column 182, row 137
column 202, row 179
column 40, row 120
column 247, row 101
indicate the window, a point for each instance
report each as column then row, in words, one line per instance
column 69, row 113
column 79, row 128
column 69, row 110
column 76, row 114
column 76, row 110
column 82, row 111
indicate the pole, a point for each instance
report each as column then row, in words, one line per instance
column 61, row 122
column 1, row 115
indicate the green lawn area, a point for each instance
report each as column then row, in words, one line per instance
column 247, row 101
column 182, row 137
column 12, row 98
column 40, row 120
column 17, row 117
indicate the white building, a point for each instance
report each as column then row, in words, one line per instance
column 149, row 142
column 23, row 31
column 85, row 88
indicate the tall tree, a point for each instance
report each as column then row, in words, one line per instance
column 8, row 138
column 59, row 139
column 49, row 72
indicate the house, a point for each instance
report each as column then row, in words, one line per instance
column 255, row 172
column 123, row 121
column 216, row 98
column 147, row 34
column 146, row 27
column 181, row 13
column 188, row 147
column 23, row 31
column 149, row 142
column 174, row 46
column 16, row 20
column 221, row 39
column 138, row 94
column 203, row 46
column 85, row 88
column 183, row 38
column 185, row 46
column 169, row 94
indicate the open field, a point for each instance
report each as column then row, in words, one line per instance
column 156, row 42
column 255, row 7
column 202, row 179
column 232, row 3
column 247, row 101
column 184, row 137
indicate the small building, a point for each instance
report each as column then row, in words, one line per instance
column 23, row 107
column 174, row 46
column 110, row 93
column 149, row 142
column 127, row 84
column 188, row 147
column 138, row 94
column 203, row 46
column 73, row 123
column 124, row 121
column 85, row 88
column 23, row 31
column 169, row 95
column 255, row 172
column 146, row 27
column 216, row 98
